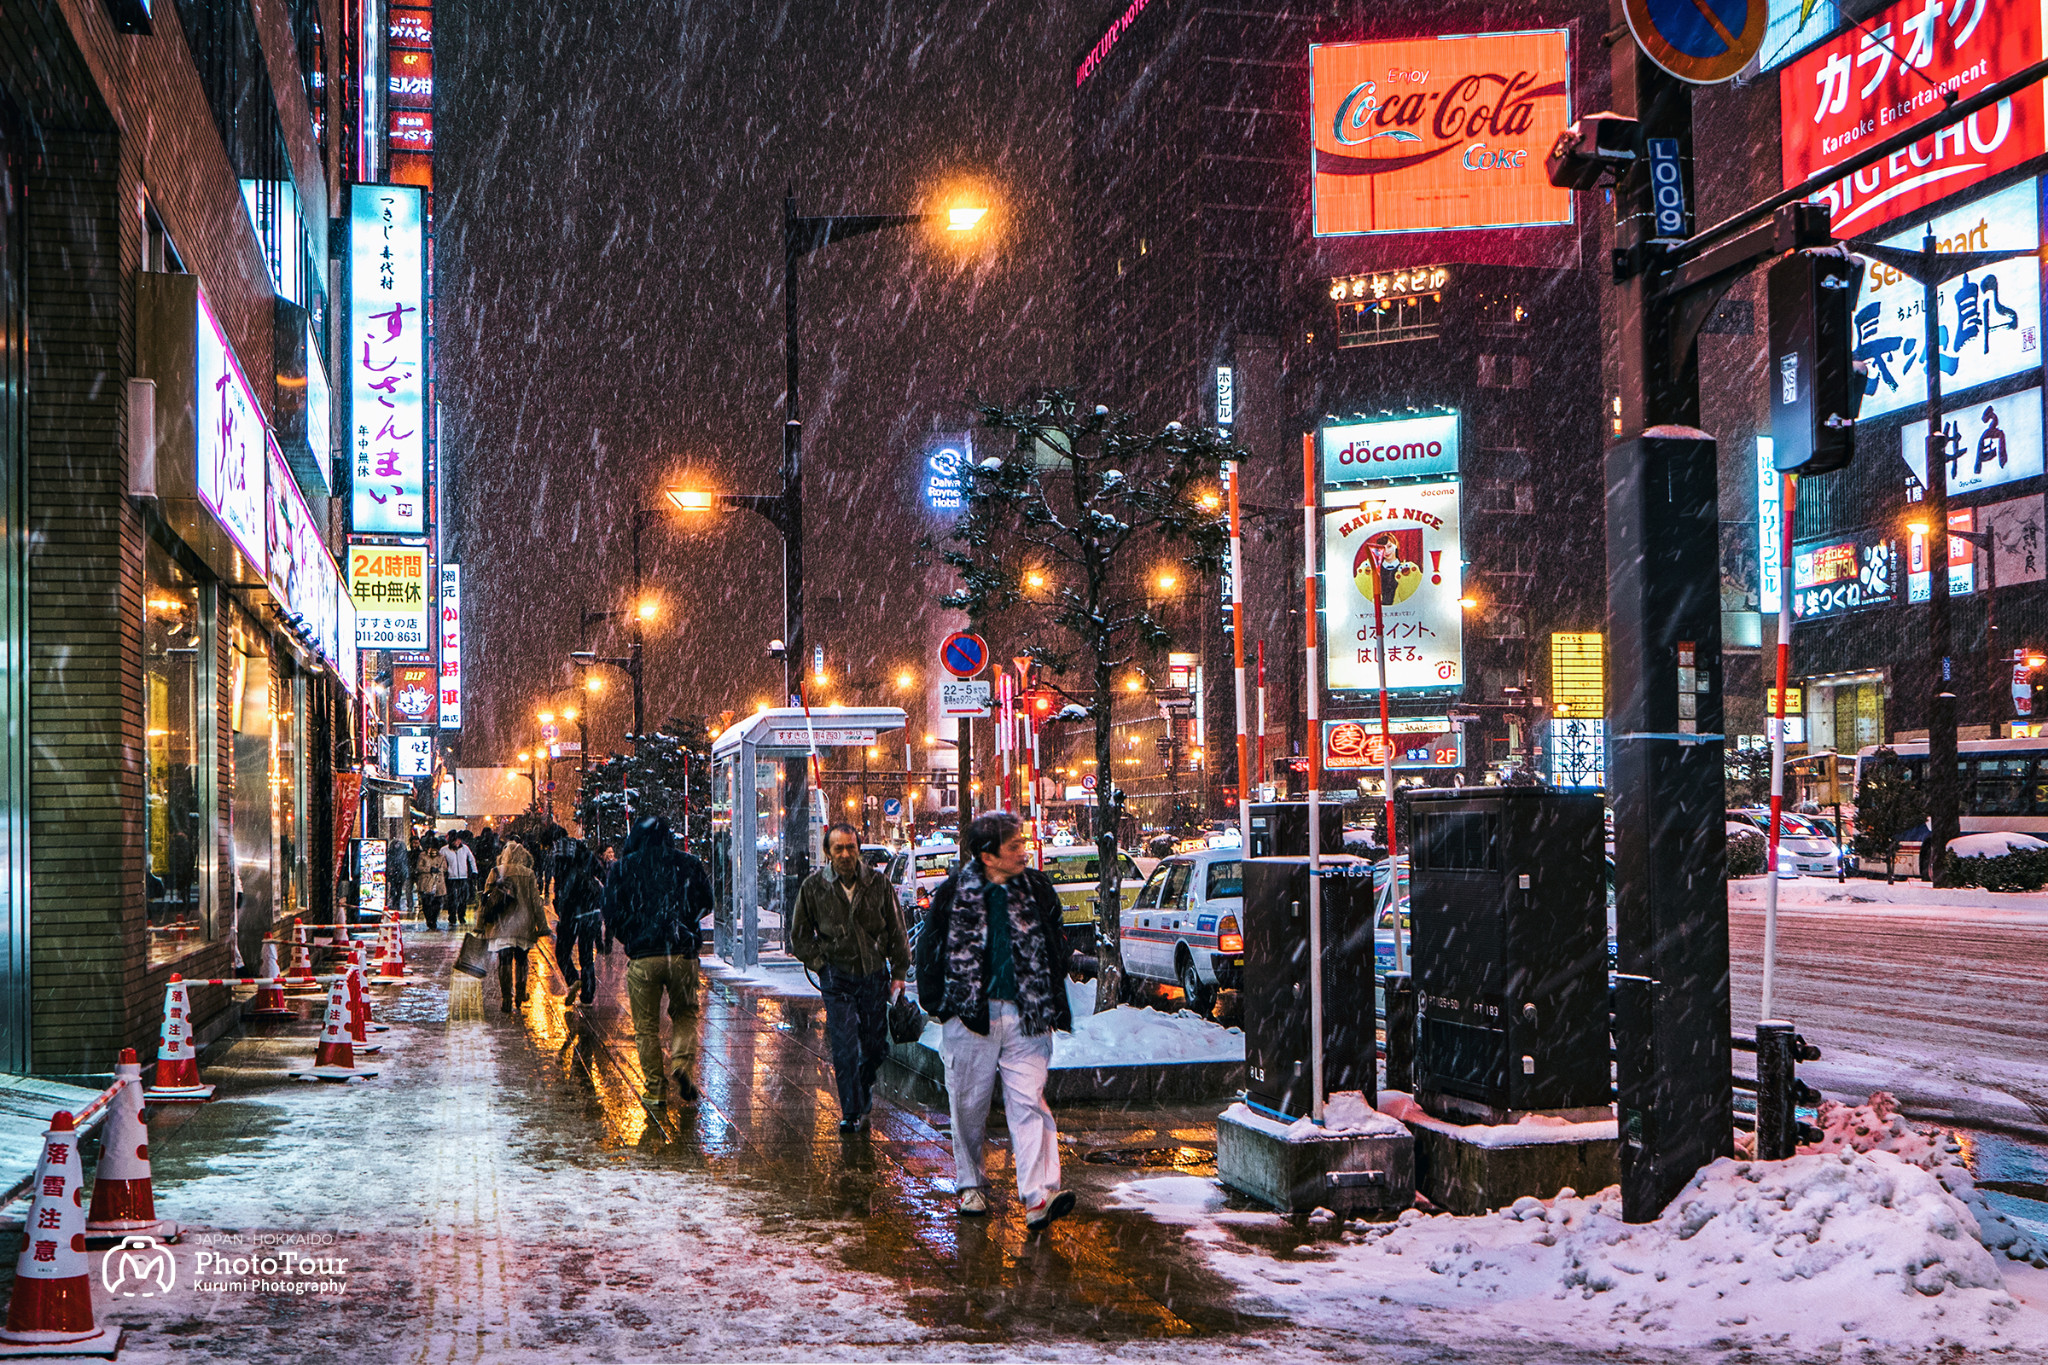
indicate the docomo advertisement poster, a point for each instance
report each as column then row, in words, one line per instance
column 1989, row 442
column 451, row 646
column 229, row 434
column 1894, row 70
column 1419, row 134
column 1400, row 545
column 1370, row 451
column 1990, row 319
column 387, row 358
column 388, row 585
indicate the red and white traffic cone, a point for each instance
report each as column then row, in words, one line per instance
column 336, row 1060
column 299, row 981
column 359, row 1015
column 123, row 1200
column 51, row 1311
column 362, row 997
column 391, row 952
column 270, row 1001
column 177, row 1061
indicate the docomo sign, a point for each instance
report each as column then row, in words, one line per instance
column 1390, row 449
column 1895, row 70
column 1419, row 134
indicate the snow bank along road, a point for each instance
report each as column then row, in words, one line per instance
column 1944, row 1005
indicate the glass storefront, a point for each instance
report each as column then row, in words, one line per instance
column 252, row 718
column 1844, row 714
column 175, row 654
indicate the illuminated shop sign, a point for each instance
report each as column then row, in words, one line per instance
column 1399, row 546
column 1418, row 742
column 1989, row 442
column 1899, row 67
column 388, row 585
column 412, row 80
column 1843, row 574
column 1990, row 319
column 414, row 691
column 1395, row 305
column 387, row 352
column 1394, row 448
column 229, row 439
column 1578, row 752
column 291, row 539
column 1394, row 284
column 1962, row 559
column 945, row 483
column 1418, row 134
column 1770, row 515
column 451, row 646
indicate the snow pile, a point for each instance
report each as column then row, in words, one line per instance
column 1345, row 1114
column 1529, row 1131
column 1131, row 1036
column 1992, row 845
column 1823, row 1250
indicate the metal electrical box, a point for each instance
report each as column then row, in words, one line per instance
column 1276, row 983
column 1280, row 829
column 1508, row 902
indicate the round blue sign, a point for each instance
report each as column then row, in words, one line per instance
column 964, row 655
column 1703, row 42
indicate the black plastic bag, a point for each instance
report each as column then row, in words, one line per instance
column 906, row 1020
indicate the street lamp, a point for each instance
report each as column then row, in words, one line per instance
column 644, row 609
column 785, row 510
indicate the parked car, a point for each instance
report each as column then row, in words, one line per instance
column 876, row 855
column 1810, row 845
column 1077, row 875
column 916, row 872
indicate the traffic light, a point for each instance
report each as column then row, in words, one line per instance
column 1815, row 380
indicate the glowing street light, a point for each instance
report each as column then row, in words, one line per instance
column 964, row 219
column 691, row 499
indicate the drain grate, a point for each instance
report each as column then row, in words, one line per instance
column 1151, row 1156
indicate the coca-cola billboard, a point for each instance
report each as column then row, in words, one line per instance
column 1414, row 135
column 1898, row 69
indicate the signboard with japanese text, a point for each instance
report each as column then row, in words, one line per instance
column 1843, row 574
column 413, row 694
column 388, row 585
column 1795, row 25
column 2018, row 541
column 1578, row 752
column 1770, row 526
column 1990, row 442
column 1578, row 673
column 824, row 737
column 412, row 755
column 1962, row 559
column 387, row 353
column 1894, row 70
column 229, row 439
column 1393, row 448
column 370, row 876
column 412, row 80
column 322, row 604
column 964, row 697
column 1418, row 742
column 945, row 486
column 291, row 538
column 1400, row 546
column 1414, row 135
column 1990, row 319
column 451, row 647
column 411, row 29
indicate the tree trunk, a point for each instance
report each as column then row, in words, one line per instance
column 1109, row 957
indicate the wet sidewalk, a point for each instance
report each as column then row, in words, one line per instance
column 498, row 1193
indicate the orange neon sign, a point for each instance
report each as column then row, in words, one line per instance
column 1425, row 133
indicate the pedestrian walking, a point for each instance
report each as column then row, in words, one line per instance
column 513, row 917
column 848, row 929
column 397, row 875
column 579, row 910
column 461, row 876
column 992, row 965
column 431, row 876
column 484, row 843
column 653, row 901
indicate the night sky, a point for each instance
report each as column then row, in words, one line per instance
column 609, row 200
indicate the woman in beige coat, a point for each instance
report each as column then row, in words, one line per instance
column 516, row 923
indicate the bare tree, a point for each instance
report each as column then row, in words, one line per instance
column 1056, row 544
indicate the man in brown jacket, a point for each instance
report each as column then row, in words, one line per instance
column 848, row 929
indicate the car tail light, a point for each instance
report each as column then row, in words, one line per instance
column 924, row 900
column 1229, row 938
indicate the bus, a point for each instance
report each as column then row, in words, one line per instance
column 2004, row 785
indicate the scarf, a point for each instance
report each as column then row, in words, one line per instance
column 967, row 954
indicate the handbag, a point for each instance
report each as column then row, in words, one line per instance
column 474, row 958
column 906, row 1020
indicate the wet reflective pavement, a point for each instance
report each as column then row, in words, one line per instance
column 501, row 1194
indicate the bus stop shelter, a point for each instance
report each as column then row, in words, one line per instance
column 768, row 816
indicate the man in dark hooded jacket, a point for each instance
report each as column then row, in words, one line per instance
column 579, row 907
column 652, row 903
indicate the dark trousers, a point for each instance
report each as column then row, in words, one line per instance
column 458, row 900
column 430, row 905
column 857, row 1026
column 511, row 961
column 576, row 954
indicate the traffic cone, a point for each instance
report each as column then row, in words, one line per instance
column 362, row 997
column 359, row 1014
column 123, row 1200
column 270, row 1001
column 391, row 952
column 336, row 1059
column 51, row 1311
column 299, row 981
column 177, row 1062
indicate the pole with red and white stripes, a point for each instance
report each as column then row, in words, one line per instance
column 1778, row 746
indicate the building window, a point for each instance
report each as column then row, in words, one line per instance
column 174, row 648
column 1375, row 322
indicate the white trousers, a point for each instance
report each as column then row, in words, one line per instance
column 972, row 1065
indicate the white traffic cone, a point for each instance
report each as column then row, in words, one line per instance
column 299, row 981
column 336, row 1059
column 177, row 1061
column 270, row 1002
column 123, row 1199
column 391, row 952
column 359, row 1015
column 51, row 1311
column 369, row 1015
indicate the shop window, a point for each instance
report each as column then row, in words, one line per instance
column 1859, row 715
column 252, row 719
column 174, row 652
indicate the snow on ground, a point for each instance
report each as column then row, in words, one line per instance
column 775, row 973
column 1125, row 1036
column 1345, row 1114
column 1992, row 845
column 1871, row 1243
column 1809, row 893
column 1530, row 1130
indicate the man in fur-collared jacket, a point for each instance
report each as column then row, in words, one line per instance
column 992, row 966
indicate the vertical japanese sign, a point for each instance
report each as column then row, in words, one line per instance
column 387, row 358
column 451, row 646
column 1770, row 517
column 1399, row 545
column 1894, row 70
column 388, row 585
column 291, row 539
column 228, row 440
column 1990, row 319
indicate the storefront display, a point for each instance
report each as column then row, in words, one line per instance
column 176, row 648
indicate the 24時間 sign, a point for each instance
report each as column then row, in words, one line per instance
column 451, row 646
column 1895, row 70
column 388, row 360
column 388, row 585
column 1400, row 545
column 1449, row 132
